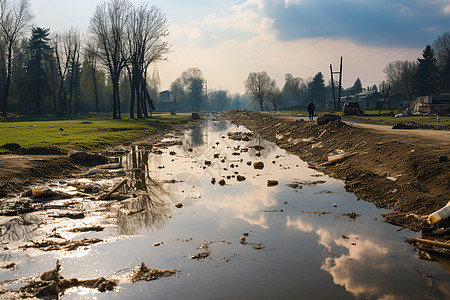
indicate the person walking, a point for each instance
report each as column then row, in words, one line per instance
column 311, row 109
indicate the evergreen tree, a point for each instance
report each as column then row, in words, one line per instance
column 357, row 86
column 38, row 66
column 426, row 76
column 316, row 90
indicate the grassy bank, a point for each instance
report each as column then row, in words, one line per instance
column 82, row 133
column 386, row 117
column 424, row 119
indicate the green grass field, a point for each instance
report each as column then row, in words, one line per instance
column 83, row 133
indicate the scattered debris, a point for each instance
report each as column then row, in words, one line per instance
column 38, row 193
column 443, row 158
column 240, row 178
column 258, row 246
column 440, row 214
column 257, row 147
column 334, row 157
column 107, row 196
column 51, row 285
column 352, row 215
column 167, row 144
column 87, row 229
column 327, row 118
column 317, row 212
column 258, row 165
column 9, row 266
column 64, row 245
column 143, row 273
column 419, row 187
column 73, row 216
column 412, row 125
column 272, row 182
column 88, row 157
column 337, row 157
column 195, row 116
column 240, row 136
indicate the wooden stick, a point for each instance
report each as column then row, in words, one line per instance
column 430, row 243
column 115, row 189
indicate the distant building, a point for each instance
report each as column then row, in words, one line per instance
column 393, row 101
column 366, row 99
column 431, row 104
column 165, row 101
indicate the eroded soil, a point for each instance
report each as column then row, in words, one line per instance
column 407, row 173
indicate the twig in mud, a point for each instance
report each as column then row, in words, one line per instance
column 106, row 196
column 10, row 185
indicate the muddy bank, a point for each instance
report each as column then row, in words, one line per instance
column 393, row 172
column 18, row 171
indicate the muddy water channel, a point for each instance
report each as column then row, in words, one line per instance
column 232, row 216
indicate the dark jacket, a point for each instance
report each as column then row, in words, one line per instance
column 311, row 107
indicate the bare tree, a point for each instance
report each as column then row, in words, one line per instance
column 400, row 76
column 66, row 47
column 262, row 89
column 108, row 26
column 442, row 48
column 15, row 16
column 146, row 28
column 74, row 42
column 91, row 58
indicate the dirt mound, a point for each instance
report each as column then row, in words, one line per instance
column 383, row 169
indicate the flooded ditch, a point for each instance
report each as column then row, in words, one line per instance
column 215, row 212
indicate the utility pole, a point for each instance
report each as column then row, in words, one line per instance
column 332, row 87
column 206, row 92
column 340, row 85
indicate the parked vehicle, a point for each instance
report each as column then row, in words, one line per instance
column 351, row 108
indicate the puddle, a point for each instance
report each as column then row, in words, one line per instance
column 233, row 214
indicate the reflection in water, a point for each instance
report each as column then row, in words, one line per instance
column 194, row 137
column 368, row 268
column 149, row 207
column 258, row 140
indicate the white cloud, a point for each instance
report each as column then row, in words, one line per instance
column 446, row 9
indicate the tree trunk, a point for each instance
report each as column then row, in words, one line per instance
column 8, row 81
column 94, row 77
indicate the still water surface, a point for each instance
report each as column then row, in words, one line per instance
column 303, row 238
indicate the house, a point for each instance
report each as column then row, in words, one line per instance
column 393, row 101
column 165, row 101
column 368, row 99
column 431, row 104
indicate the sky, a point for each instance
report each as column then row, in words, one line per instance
column 229, row 39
